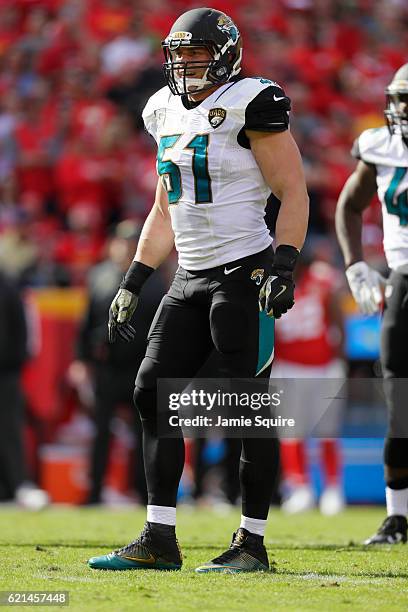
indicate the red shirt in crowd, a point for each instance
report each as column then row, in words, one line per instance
column 89, row 178
column 35, row 140
column 105, row 20
column 302, row 335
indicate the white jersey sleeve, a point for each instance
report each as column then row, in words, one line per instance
column 151, row 112
column 378, row 147
column 372, row 146
column 389, row 155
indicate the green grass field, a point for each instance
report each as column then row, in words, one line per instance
column 318, row 563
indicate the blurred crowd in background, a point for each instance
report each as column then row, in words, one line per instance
column 75, row 160
column 75, row 75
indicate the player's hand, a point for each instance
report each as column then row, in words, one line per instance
column 277, row 294
column 120, row 314
column 366, row 285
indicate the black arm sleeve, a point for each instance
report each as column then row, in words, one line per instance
column 267, row 112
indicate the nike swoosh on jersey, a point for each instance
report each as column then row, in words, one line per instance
column 232, row 270
column 277, row 99
column 283, row 289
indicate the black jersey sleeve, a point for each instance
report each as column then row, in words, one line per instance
column 267, row 112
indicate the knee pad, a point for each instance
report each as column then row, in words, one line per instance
column 145, row 393
column 145, row 403
column 396, row 453
column 229, row 327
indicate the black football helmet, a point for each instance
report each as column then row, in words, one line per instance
column 396, row 112
column 213, row 30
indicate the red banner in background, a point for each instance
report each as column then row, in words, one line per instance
column 55, row 314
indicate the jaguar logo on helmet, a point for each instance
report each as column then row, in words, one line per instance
column 226, row 25
column 257, row 275
column 216, row 116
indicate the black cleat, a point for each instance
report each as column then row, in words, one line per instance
column 247, row 553
column 392, row 531
column 156, row 548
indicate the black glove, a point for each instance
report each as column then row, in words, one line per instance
column 125, row 301
column 277, row 294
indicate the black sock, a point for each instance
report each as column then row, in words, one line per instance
column 163, row 529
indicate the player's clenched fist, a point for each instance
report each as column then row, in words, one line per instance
column 277, row 293
column 125, row 301
column 277, row 296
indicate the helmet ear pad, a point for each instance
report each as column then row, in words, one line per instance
column 227, row 65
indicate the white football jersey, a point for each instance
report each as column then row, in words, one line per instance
column 217, row 194
column 389, row 154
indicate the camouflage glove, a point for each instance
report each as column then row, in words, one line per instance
column 120, row 314
column 125, row 301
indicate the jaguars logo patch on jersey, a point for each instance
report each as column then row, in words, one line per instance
column 257, row 275
column 216, row 116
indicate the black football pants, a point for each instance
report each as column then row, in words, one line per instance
column 394, row 361
column 209, row 311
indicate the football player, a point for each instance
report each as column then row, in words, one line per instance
column 383, row 168
column 223, row 147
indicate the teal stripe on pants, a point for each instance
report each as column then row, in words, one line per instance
column 266, row 341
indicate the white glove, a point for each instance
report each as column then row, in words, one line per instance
column 366, row 286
